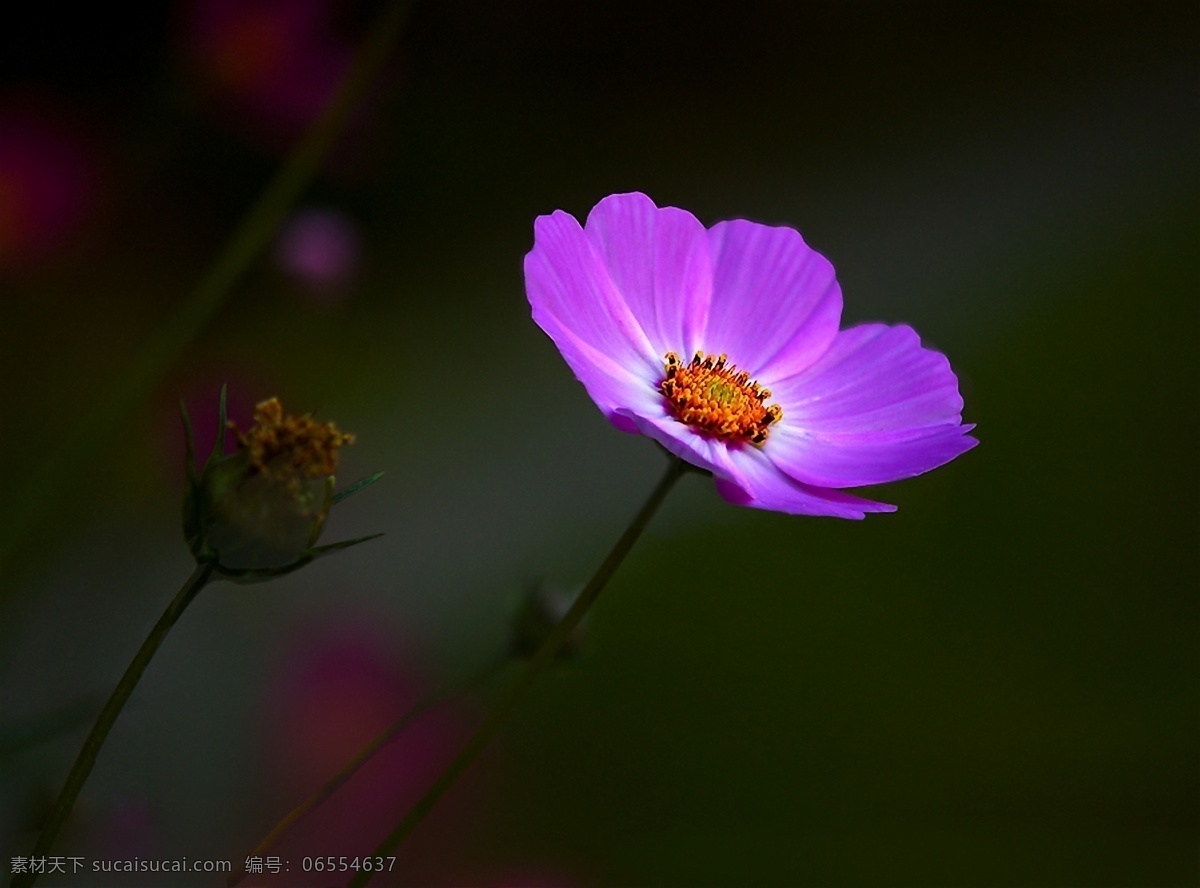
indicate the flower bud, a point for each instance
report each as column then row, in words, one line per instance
column 258, row 512
column 540, row 611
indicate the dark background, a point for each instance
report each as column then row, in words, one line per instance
column 996, row 685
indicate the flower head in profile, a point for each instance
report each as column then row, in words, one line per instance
column 258, row 512
column 723, row 345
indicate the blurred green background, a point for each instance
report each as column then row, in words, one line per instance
column 996, row 685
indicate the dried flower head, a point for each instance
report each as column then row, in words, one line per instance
column 290, row 448
column 258, row 512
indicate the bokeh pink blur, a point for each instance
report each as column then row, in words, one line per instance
column 334, row 691
column 49, row 180
column 320, row 250
column 270, row 64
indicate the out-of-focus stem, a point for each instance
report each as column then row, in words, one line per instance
column 364, row 755
column 491, row 725
column 108, row 716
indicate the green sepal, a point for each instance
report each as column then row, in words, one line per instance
column 219, row 445
column 189, row 443
column 194, row 521
column 193, row 500
column 355, row 488
column 330, row 548
column 246, row 576
column 199, row 493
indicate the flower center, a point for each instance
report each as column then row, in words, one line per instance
column 716, row 398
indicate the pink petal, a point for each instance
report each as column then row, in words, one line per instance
column 763, row 486
column 659, row 261
column 706, row 453
column 876, row 407
column 614, row 388
column 575, row 303
column 566, row 280
column 775, row 303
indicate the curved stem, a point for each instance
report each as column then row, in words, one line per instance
column 364, row 755
column 108, row 716
column 490, row 727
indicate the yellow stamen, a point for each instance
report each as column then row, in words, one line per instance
column 290, row 448
column 716, row 398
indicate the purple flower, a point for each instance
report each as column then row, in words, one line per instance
column 723, row 346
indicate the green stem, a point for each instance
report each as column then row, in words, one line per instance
column 425, row 704
column 31, row 502
column 108, row 716
column 490, row 727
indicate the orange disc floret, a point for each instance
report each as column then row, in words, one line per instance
column 716, row 398
column 289, row 448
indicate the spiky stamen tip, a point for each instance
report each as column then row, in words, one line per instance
column 714, row 397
